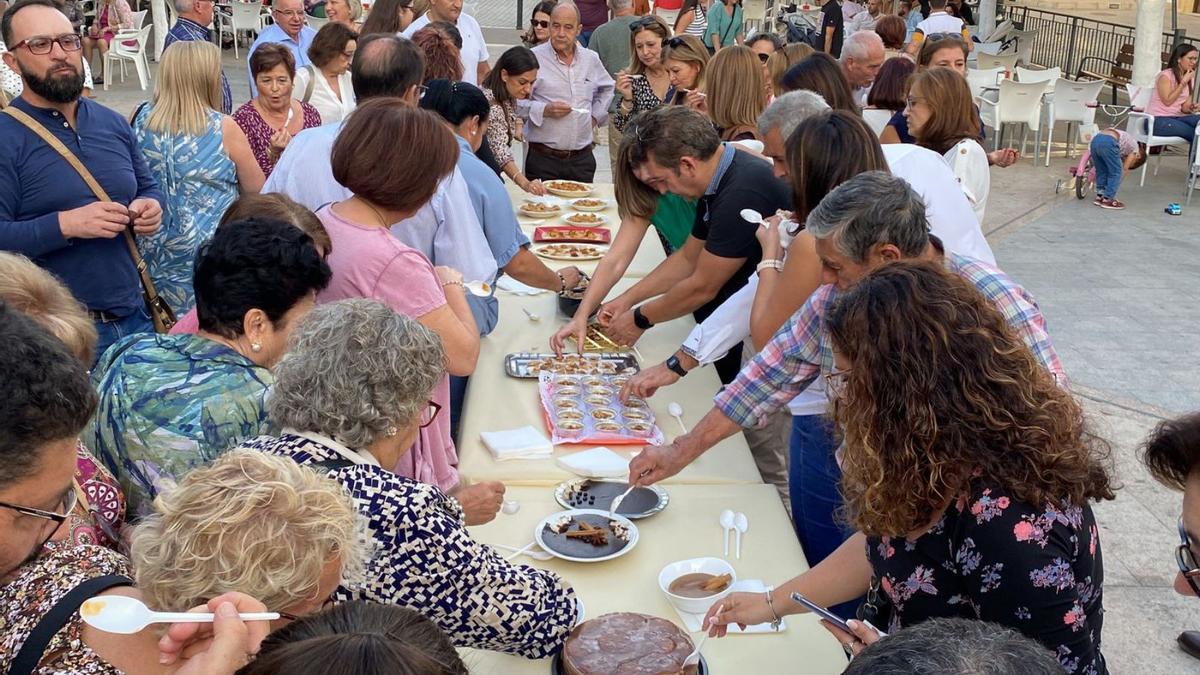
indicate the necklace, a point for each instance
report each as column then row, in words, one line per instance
column 378, row 214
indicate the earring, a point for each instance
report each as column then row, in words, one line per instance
column 255, row 347
column 391, row 431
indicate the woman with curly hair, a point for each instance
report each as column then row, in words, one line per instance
column 967, row 471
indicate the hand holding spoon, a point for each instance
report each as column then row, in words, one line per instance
column 693, row 659
column 751, row 216
column 125, row 615
column 620, row 498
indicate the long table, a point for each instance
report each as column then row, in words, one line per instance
column 687, row 528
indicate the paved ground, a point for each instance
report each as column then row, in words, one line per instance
column 1118, row 290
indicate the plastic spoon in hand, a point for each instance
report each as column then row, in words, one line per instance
column 751, row 216
column 125, row 615
column 693, row 659
column 676, row 411
column 740, row 523
column 727, row 524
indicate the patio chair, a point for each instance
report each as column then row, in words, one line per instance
column 120, row 52
column 1140, row 125
column 1047, row 75
column 1018, row 103
column 979, row 78
column 315, row 22
column 244, row 16
column 1004, row 61
column 1070, row 104
column 1194, row 171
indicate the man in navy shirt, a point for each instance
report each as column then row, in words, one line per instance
column 47, row 211
column 192, row 25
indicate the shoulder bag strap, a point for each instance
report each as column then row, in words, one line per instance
column 30, row 654
column 312, row 79
column 51, row 140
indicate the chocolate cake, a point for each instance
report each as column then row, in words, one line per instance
column 627, row 644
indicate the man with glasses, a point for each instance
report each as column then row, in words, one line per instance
column 195, row 16
column 47, row 211
column 570, row 99
column 1172, row 453
column 290, row 30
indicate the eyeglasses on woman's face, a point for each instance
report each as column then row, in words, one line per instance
column 835, row 384
column 1185, row 556
column 430, row 414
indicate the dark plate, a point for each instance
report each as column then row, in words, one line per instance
column 556, row 666
column 582, row 551
column 593, row 493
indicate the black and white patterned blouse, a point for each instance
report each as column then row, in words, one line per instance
column 424, row 558
column 644, row 99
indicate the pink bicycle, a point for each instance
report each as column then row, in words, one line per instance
column 1083, row 174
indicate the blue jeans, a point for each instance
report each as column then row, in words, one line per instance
column 458, row 394
column 813, row 477
column 1183, row 126
column 1106, row 158
column 108, row 332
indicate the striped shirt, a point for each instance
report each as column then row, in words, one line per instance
column 802, row 349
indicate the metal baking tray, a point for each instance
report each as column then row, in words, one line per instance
column 518, row 364
column 598, row 493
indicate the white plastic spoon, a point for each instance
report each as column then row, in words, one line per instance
column 617, row 502
column 531, row 315
column 751, row 216
column 479, row 288
column 125, row 615
column 727, row 524
column 740, row 523
column 693, row 659
column 510, row 506
column 536, row 555
column 676, row 411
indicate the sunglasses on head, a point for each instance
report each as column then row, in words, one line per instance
column 933, row 37
column 641, row 23
column 672, row 43
column 539, row 24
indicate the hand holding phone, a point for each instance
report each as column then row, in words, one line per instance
column 823, row 613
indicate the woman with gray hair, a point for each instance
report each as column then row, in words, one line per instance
column 351, row 397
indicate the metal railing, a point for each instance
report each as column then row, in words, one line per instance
column 1064, row 40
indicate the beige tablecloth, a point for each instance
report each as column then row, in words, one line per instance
column 686, row 529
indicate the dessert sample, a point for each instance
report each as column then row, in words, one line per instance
column 572, row 234
column 569, row 252
column 700, row 585
column 587, row 219
column 589, row 204
column 627, row 643
column 540, row 208
column 568, row 188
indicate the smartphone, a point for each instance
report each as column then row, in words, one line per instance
column 822, row 612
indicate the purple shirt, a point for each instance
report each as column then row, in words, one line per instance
column 585, row 84
column 592, row 13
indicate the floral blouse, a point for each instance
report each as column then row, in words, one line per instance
column 644, row 99
column 504, row 127
column 100, row 510
column 426, row 560
column 1037, row 570
column 30, row 591
column 259, row 133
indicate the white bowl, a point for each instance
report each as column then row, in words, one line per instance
column 675, row 570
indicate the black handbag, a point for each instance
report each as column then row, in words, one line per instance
column 876, row 607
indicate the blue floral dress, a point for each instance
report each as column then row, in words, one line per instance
column 1037, row 570
column 199, row 181
column 171, row 403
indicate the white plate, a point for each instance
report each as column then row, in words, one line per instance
column 538, row 214
column 601, row 220
column 633, row 534
column 550, row 186
column 543, row 252
column 603, row 205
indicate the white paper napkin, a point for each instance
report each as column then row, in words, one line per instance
column 523, row 443
column 692, row 621
column 507, row 283
column 595, row 463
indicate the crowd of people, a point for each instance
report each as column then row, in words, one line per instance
column 240, row 336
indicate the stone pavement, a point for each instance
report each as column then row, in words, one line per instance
column 1118, row 292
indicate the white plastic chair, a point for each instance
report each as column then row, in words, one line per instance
column 315, row 22
column 978, row 78
column 1194, row 171
column 1023, row 45
column 1070, row 104
column 1019, row 103
column 1047, row 75
column 877, row 119
column 138, row 18
column 990, row 48
column 1002, row 61
column 245, row 16
column 1140, row 125
column 119, row 52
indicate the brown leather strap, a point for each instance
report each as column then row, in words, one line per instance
column 52, row 141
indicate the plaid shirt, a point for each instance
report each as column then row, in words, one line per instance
column 186, row 30
column 801, row 350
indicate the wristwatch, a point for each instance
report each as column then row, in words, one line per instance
column 674, row 366
column 640, row 319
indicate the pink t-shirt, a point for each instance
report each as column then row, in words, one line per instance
column 1157, row 107
column 188, row 324
column 368, row 262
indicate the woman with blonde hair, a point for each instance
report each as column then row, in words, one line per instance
column 783, row 59
column 98, row 515
column 346, row 12
column 685, row 57
column 736, row 93
column 254, row 523
column 201, row 159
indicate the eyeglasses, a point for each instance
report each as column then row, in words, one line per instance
column 1187, row 559
column 835, row 384
column 641, row 23
column 290, row 13
column 764, row 57
column 69, row 500
column 673, row 43
column 421, row 89
column 430, row 414
column 40, row 45
column 910, row 101
column 539, row 24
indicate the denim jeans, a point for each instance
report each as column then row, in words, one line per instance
column 813, row 477
column 109, row 332
column 1106, row 157
column 1183, row 126
column 458, row 395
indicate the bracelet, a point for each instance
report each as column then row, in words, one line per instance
column 777, row 620
column 772, row 263
column 454, row 282
column 562, row 282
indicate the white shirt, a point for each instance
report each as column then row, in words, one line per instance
column 862, row 21
column 969, row 163
column 940, row 22
column 950, row 219
column 474, row 49
column 445, row 229
column 332, row 108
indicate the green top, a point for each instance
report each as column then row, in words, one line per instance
column 674, row 218
column 727, row 27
